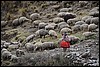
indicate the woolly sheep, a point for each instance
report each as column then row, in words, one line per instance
column 79, row 23
column 46, row 45
column 94, row 9
column 41, row 33
column 84, row 27
column 75, row 28
column 14, row 58
column 19, row 52
column 6, row 44
column 30, row 37
column 72, row 21
column 36, row 23
column 61, row 14
column 15, row 22
column 58, row 20
column 3, row 23
column 64, row 26
column 67, row 30
column 42, row 25
column 6, row 55
column 95, row 20
column 29, row 47
column 2, row 42
column 4, row 49
column 13, row 47
column 51, row 26
column 88, row 34
column 86, row 17
column 34, row 16
column 92, row 27
column 19, row 21
column 22, row 19
column 65, row 9
column 88, row 20
column 52, row 33
column 94, row 14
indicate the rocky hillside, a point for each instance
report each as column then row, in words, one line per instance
column 32, row 30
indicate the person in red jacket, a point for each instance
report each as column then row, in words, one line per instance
column 65, row 43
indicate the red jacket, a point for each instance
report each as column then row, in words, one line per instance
column 65, row 44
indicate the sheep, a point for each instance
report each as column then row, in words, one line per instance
column 72, row 21
column 19, row 21
column 79, row 23
column 88, row 34
column 42, row 25
column 61, row 23
column 46, row 45
column 67, row 30
column 6, row 44
column 19, row 52
column 52, row 33
column 94, row 9
column 14, row 58
column 2, row 42
column 15, row 22
column 92, row 27
column 73, row 39
column 86, row 17
column 36, row 23
column 88, row 20
column 34, row 16
column 41, row 33
column 4, row 49
column 6, row 55
column 30, row 37
column 58, row 20
column 84, row 27
column 94, row 14
column 3, row 23
column 65, row 9
column 75, row 28
column 64, row 26
column 95, row 20
column 29, row 47
column 51, row 26
column 13, row 47
column 61, row 14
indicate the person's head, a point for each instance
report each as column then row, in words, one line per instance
column 65, row 34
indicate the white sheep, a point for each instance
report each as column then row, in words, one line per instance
column 42, row 25
column 12, row 47
column 30, row 37
column 6, row 55
column 88, row 34
column 65, row 9
column 61, row 14
column 92, row 27
column 3, row 50
column 41, row 33
column 75, row 28
column 14, row 58
column 52, row 33
column 86, row 17
column 23, row 19
column 36, row 23
column 65, row 30
column 95, row 20
column 72, row 21
column 84, row 27
column 58, row 20
column 34, row 16
column 79, row 23
column 51, row 26
column 94, row 14
column 29, row 47
column 3, row 23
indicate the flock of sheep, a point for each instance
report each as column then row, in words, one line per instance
column 64, row 22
